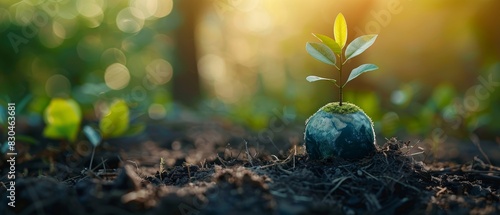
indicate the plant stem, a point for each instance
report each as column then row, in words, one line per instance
column 92, row 158
column 340, row 81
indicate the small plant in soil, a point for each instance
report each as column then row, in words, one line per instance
column 64, row 116
column 340, row 128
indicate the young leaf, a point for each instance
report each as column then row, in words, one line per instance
column 340, row 30
column 321, row 52
column 92, row 135
column 360, row 70
column 313, row 78
column 23, row 103
column 63, row 117
column 334, row 46
column 359, row 45
column 116, row 121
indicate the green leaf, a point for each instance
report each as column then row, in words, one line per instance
column 340, row 30
column 63, row 117
column 20, row 106
column 313, row 78
column 321, row 52
column 116, row 121
column 26, row 139
column 92, row 135
column 360, row 70
column 330, row 42
column 359, row 45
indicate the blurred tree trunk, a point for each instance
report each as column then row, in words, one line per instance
column 186, row 85
column 487, row 32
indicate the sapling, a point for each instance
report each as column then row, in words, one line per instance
column 339, row 128
column 329, row 49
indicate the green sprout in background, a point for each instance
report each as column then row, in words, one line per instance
column 329, row 49
column 63, row 118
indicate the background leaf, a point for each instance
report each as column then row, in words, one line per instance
column 116, row 121
column 21, row 105
column 313, row 78
column 92, row 135
column 340, row 30
column 359, row 45
column 63, row 117
column 360, row 70
column 321, row 52
column 330, row 42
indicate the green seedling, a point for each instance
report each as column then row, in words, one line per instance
column 115, row 122
column 63, row 118
column 94, row 138
column 329, row 49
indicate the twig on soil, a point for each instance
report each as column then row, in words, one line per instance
column 276, row 147
column 277, row 161
column 162, row 167
column 441, row 191
column 399, row 182
column 338, row 182
column 103, row 165
column 284, row 170
column 475, row 140
column 135, row 163
column 3, row 185
column 222, row 161
column 370, row 175
column 372, row 200
column 91, row 171
column 249, row 156
column 189, row 171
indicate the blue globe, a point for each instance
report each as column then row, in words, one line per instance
column 339, row 131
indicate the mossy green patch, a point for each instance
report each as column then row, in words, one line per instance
column 346, row 108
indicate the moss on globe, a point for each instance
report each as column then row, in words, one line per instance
column 346, row 108
column 339, row 131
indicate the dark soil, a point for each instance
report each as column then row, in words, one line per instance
column 217, row 169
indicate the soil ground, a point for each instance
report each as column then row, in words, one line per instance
column 217, row 168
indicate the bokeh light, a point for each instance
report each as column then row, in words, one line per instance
column 159, row 71
column 113, row 55
column 157, row 111
column 117, row 76
column 130, row 20
column 89, row 8
column 58, row 86
column 164, row 8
